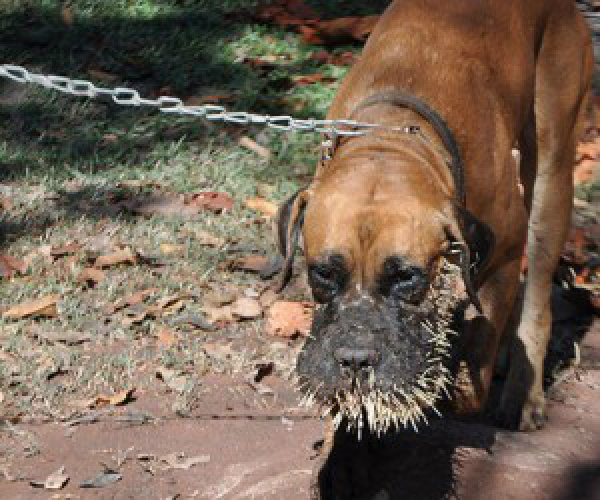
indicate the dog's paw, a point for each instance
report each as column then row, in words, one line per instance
column 521, row 413
column 533, row 415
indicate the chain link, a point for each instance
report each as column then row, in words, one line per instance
column 130, row 97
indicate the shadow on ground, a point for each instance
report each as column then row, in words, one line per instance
column 182, row 50
column 428, row 465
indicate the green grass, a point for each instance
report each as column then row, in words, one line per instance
column 62, row 157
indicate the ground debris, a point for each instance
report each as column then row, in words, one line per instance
column 55, row 481
column 103, row 479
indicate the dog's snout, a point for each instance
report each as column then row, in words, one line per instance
column 356, row 358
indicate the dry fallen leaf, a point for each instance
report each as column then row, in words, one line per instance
column 222, row 314
column 210, row 200
column 314, row 78
column 62, row 336
column 9, row 265
column 124, row 256
column 288, row 319
column 101, row 75
column 177, row 205
column 174, row 380
column 205, row 238
column 171, row 249
column 63, row 250
column 117, row 399
column 166, row 337
column 261, row 205
column 194, row 320
column 268, row 297
column 44, row 307
column 250, row 263
column 254, row 146
column 55, row 481
column 90, row 276
column 246, row 308
column 220, row 296
column 132, row 300
column 173, row 302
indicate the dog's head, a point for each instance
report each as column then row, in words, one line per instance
column 389, row 259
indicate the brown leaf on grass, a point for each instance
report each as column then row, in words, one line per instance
column 207, row 239
column 210, row 200
column 5, row 203
column 10, row 266
column 220, row 296
column 261, row 205
column 140, row 312
column 246, row 308
column 67, row 337
column 195, row 321
column 249, row 263
column 186, row 206
column 315, row 31
column 345, row 58
column 55, row 481
column 171, row 249
column 268, row 297
column 222, row 314
column 167, row 205
column 102, row 75
column 174, row 380
column 44, row 307
column 63, row 250
column 90, row 276
column 173, row 301
column 117, row 399
column 286, row 12
column 252, row 145
column 310, row 79
column 132, row 300
column 208, row 99
column 124, row 256
column 343, row 29
column 288, row 319
column 165, row 337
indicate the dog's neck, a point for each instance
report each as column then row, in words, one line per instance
column 405, row 140
column 401, row 113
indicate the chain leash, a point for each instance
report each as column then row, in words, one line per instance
column 173, row 105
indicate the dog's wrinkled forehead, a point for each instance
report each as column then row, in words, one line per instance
column 365, row 233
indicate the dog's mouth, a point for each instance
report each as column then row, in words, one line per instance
column 398, row 366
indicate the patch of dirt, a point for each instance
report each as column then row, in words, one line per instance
column 262, row 446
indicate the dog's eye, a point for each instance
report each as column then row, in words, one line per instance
column 326, row 281
column 407, row 283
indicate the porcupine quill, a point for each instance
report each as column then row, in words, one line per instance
column 402, row 406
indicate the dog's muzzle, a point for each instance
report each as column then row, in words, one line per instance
column 379, row 360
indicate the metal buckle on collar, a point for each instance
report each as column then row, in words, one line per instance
column 328, row 146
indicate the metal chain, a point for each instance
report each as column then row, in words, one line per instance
column 173, row 105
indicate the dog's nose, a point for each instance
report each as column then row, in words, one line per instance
column 356, row 358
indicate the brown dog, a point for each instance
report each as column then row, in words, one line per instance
column 453, row 86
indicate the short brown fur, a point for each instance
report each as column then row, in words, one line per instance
column 499, row 73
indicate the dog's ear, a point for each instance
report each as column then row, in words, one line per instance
column 474, row 249
column 288, row 224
